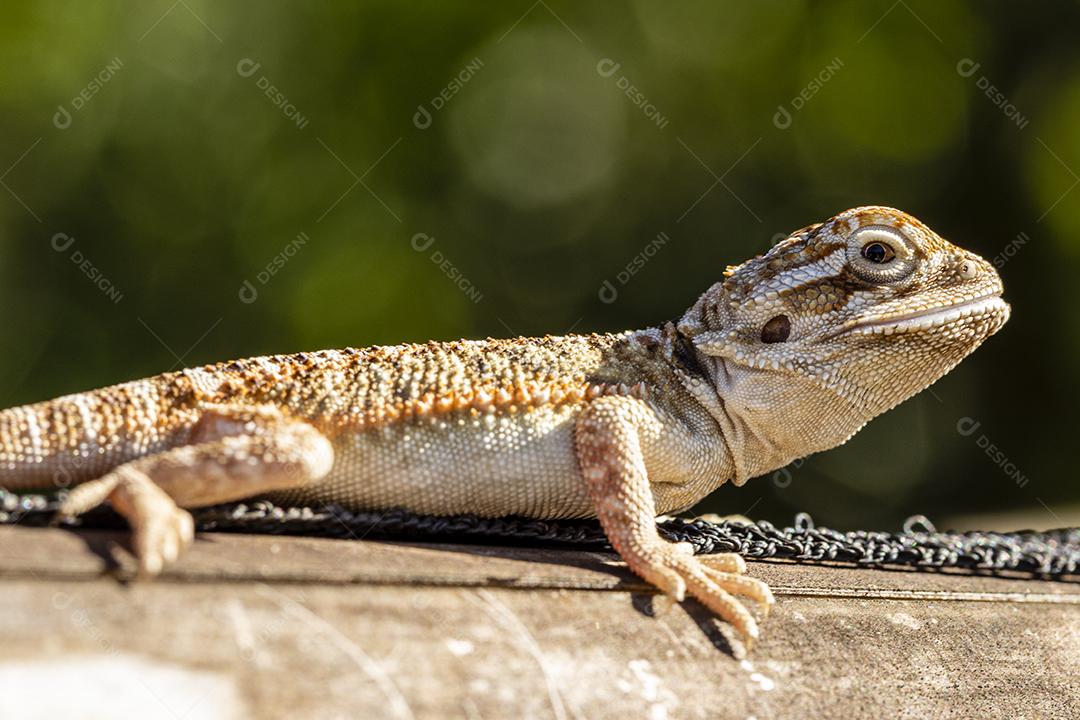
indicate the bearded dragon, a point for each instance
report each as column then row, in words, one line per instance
column 790, row 354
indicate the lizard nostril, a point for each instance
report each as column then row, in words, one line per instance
column 968, row 270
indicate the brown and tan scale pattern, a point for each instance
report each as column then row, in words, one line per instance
column 789, row 354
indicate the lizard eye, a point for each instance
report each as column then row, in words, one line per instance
column 776, row 330
column 878, row 253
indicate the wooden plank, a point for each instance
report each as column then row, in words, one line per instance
column 225, row 557
column 262, row 627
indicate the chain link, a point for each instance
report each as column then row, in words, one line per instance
column 1054, row 553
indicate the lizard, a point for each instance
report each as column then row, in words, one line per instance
column 789, row 354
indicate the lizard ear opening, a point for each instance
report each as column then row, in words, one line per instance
column 776, row 330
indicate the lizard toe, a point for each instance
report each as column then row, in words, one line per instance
column 744, row 586
column 713, row 595
column 671, row 565
column 724, row 562
column 161, row 530
column 185, row 529
column 160, row 538
column 667, row 579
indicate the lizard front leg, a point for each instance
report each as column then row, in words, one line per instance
column 609, row 452
column 235, row 453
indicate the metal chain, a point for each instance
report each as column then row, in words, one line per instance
column 1054, row 553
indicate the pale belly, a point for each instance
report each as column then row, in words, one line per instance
column 490, row 465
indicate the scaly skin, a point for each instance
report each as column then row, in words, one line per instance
column 789, row 355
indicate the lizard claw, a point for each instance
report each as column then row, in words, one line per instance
column 714, row 580
column 161, row 538
column 722, row 566
column 161, row 530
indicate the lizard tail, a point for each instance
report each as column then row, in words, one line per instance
column 57, row 443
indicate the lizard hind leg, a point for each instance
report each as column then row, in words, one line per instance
column 613, row 466
column 236, row 453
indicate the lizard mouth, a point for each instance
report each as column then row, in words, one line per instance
column 935, row 317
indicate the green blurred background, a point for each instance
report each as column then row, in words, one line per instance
column 190, row 181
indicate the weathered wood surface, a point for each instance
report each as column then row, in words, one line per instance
column 264, row 627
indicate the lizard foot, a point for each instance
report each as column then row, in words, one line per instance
column 235, row 453
column 160, row 529
column 713, row 579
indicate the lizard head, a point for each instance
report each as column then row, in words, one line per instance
column 872, row 304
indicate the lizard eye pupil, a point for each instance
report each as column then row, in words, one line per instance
column 776, row 330
column 878, row 252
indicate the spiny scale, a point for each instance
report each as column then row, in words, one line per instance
column 791, row 353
